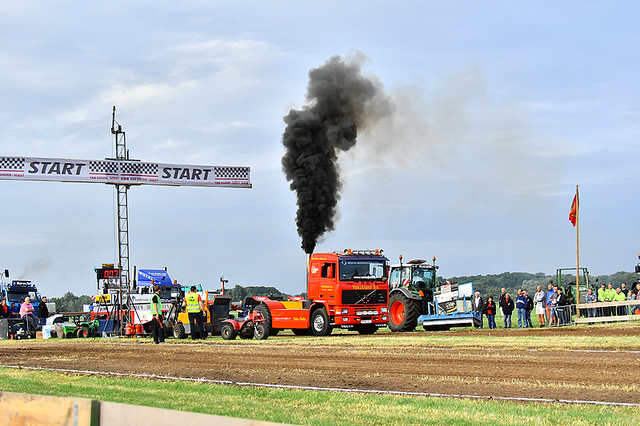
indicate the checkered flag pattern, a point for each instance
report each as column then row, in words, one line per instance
column 11, row 163
column 231, row 172
column 103, row 167
column 139, row 168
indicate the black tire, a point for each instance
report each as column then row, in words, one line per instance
column 262, row 331
column 178, row 331
column 266, row 314
column 83, row 332
column 403, row 312
column 227, row 331
column 320, row 323
column 247, row 331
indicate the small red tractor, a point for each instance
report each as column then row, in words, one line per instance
column 251, row 324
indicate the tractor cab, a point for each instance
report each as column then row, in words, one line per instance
column 415, row 275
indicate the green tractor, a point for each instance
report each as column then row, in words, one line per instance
column 410, row 290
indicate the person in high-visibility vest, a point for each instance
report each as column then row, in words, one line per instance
column 620, row 297
column 609, row 297
column 156, row 311
column 194, row 305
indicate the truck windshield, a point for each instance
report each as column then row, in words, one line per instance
column 361, row 270
column 19, row 296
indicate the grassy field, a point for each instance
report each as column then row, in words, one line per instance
column 336, row 408
column 310, row 407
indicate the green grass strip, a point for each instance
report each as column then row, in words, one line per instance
column 309, row 407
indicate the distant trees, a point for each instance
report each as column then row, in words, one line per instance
column 70, row 303
column 485, row 284
column 239, row 293
column 512, row 281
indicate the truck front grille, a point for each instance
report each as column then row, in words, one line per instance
column 350, row 297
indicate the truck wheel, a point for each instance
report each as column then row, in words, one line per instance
column 366, row 329
column 320, row 323
column 262, row 332
column 228, row 332
column 178, row 331
column 266, row 314
column 403, row 312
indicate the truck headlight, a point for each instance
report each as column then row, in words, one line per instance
column 384, row 310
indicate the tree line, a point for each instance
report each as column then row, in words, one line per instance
column 491, row 285
column 487, row 285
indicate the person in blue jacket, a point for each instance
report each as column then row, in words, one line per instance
column 521, row 306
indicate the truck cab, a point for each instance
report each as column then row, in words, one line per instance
column 17, row 290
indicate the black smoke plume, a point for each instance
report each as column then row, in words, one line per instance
column 338, row 100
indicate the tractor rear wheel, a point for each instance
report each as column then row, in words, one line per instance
column 262, row 331
column 228, row 332
column 403, row 312
column 320, row 323
column 178, row 331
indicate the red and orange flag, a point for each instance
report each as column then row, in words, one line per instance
column 573, row 214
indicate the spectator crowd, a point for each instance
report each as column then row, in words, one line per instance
column 552, row 306
column 26, row 311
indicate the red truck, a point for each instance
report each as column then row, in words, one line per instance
column 344, row 289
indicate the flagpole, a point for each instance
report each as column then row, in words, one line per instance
column 577, row 250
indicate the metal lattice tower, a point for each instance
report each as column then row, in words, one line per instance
column 123, row 209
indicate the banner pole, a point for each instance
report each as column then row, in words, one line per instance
column 577, row 250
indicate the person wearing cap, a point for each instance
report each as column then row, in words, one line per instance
column 194, row 306
column 157, row 331
column 43, row 311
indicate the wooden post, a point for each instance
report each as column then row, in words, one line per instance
column 577, row 251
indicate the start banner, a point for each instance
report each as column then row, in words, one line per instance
column 123, row 172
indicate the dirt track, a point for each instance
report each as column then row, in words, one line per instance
column 350, row 361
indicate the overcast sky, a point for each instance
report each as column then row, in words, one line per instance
column 500, row 109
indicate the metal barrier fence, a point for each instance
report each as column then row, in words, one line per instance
column 599, row 312
column 591, row 313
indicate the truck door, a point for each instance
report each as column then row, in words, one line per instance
column 327, row 280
